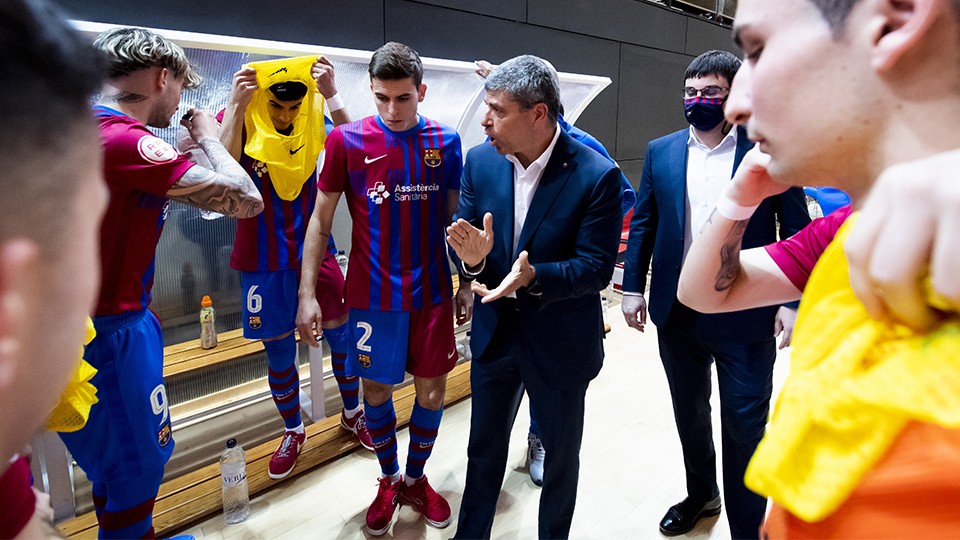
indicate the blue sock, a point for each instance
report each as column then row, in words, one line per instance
column 424, row 425
column 339, row 340
column 382, row 424
column 284, row 378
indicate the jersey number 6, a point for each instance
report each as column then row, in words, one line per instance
column 254, row 300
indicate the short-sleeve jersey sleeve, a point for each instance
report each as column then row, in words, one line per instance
column 334, row 177
column 453, row 163
column 796, row 256
column 137, row 159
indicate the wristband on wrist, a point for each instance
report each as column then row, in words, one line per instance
column 732, row 210
column 334, row 103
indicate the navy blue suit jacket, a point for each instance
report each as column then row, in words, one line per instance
column 571, row 234
column 657, row 229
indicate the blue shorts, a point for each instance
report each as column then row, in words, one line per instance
column 270, row 298
column 127, row 439
column 387, row 344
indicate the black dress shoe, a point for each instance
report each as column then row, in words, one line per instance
column 683, row 517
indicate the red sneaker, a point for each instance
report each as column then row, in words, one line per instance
column 380, row 513
column 285, row 458
column 358, row 426
column 435, row 509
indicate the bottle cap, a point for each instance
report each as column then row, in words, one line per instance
column 206, row 302
column 231, row 443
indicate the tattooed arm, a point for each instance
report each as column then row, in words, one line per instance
column 226, row 187
column 717, row 276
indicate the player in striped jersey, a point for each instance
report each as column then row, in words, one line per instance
column 401, row 175
column 267, row 253
column 127, row 440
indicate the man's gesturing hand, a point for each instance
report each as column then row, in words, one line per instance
column 470, row 243
column 521, row 275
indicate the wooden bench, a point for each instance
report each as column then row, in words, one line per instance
column 188, row 356
column 185, row 499
column 194, row 495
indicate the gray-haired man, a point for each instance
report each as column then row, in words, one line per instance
column 539, row 264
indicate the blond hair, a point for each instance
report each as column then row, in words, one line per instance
column 131, row 49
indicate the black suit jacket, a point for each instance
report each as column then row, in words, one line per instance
column 657, row 230
column 571, row 233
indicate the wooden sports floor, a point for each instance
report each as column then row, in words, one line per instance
column 631, row 468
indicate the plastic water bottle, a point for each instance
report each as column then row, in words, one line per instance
column 233, row 473
column 208, row 324
column 342, row 261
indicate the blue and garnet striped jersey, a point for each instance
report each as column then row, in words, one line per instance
column 139, row 169
column 273, row 239
column 396, row 185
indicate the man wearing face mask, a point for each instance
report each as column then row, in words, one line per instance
column 684, row 174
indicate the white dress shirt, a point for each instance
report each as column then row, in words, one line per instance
column 708, row 171
column 525, row 182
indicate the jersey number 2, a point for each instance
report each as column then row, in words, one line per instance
column 367, row 332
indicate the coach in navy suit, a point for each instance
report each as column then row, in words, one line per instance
column 549, row 208
column 683, row 175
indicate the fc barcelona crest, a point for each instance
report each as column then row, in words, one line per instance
column 431, row 156
column 255, row 322
column 163, row 437
column 363, row 360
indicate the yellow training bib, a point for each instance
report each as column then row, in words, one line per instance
column 854, row 383
column 289, row 158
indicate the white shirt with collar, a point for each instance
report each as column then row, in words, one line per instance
column 708, row 172
column 525, row 182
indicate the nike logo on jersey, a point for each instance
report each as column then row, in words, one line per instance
column 368, row 161
column 292, row 152
column 453, row 352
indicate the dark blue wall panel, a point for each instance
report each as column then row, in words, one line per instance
column 642, row 47
column 628, row 21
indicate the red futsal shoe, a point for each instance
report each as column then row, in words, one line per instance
column 285, row 458
column 380, row 513
column 358, row 426
column 435, row 509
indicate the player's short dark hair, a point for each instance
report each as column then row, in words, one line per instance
column 288, row 90
column 528, row 80
column 45, row 106
column 835, row 12
column 721, row 63
column 395, row 61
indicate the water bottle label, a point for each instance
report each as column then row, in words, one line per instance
column 234, row 479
